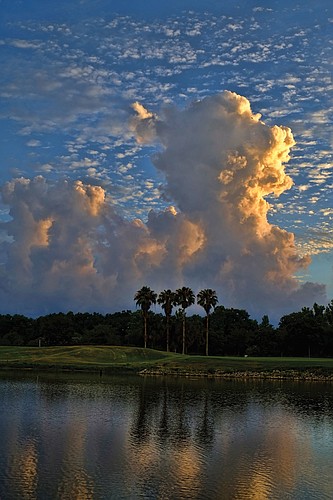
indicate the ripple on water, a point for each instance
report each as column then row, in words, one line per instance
column 166, row 440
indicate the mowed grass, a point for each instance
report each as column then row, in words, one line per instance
column 97, row 357
column 136, row 359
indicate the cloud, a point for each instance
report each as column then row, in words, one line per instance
column 143, row 123
column 33, row 143
column 24, row 44
column 52, row 247
column 65, row 247
column 221, row 162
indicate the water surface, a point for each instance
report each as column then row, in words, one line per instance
column 86, row 437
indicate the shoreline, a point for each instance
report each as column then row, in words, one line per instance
column 307, row 375
column 296, row 375
column 120, row 360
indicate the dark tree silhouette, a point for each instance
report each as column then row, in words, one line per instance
column 144, row 298
column 207, row 299
column 184, row 298
column 167, row 299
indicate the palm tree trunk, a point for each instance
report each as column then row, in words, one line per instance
column 207, row 328
column 167, row 332
column 183, row 334
column 145, row 330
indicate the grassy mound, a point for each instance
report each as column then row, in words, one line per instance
column 149, row 361
column 72, row 357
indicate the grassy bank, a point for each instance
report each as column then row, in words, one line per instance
column 110, row 359
column 90, row 358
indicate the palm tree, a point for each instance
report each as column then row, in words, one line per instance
column 184, row 298
column 167, row 299
column 207, row 299
column 144, row 298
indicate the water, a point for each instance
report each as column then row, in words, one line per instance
column 86, row 437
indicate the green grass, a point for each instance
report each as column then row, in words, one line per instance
column 79, row 357
column 135, row 359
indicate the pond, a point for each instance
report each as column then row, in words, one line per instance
column 89, row 437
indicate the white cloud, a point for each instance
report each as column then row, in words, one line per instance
column 24, row 44
column 71, row 250
column 33, row 143
column 220, row 162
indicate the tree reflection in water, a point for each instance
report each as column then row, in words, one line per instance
column 164, row 438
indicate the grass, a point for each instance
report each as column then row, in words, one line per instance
column 135, row 359
column 79, row 357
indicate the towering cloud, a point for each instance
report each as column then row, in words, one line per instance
column 221, row 161
column 65, row 247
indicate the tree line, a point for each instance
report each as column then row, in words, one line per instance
column 182, row 297
column 223, row 331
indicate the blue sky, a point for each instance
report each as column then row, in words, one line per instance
column 70, row 75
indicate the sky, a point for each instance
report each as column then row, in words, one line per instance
column 182, row 144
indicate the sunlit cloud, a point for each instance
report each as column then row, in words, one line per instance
column 66, row 96
column 220, row 161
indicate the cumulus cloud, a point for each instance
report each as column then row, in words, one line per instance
column 143, row 123
column 65, row 247
column 221, row 162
